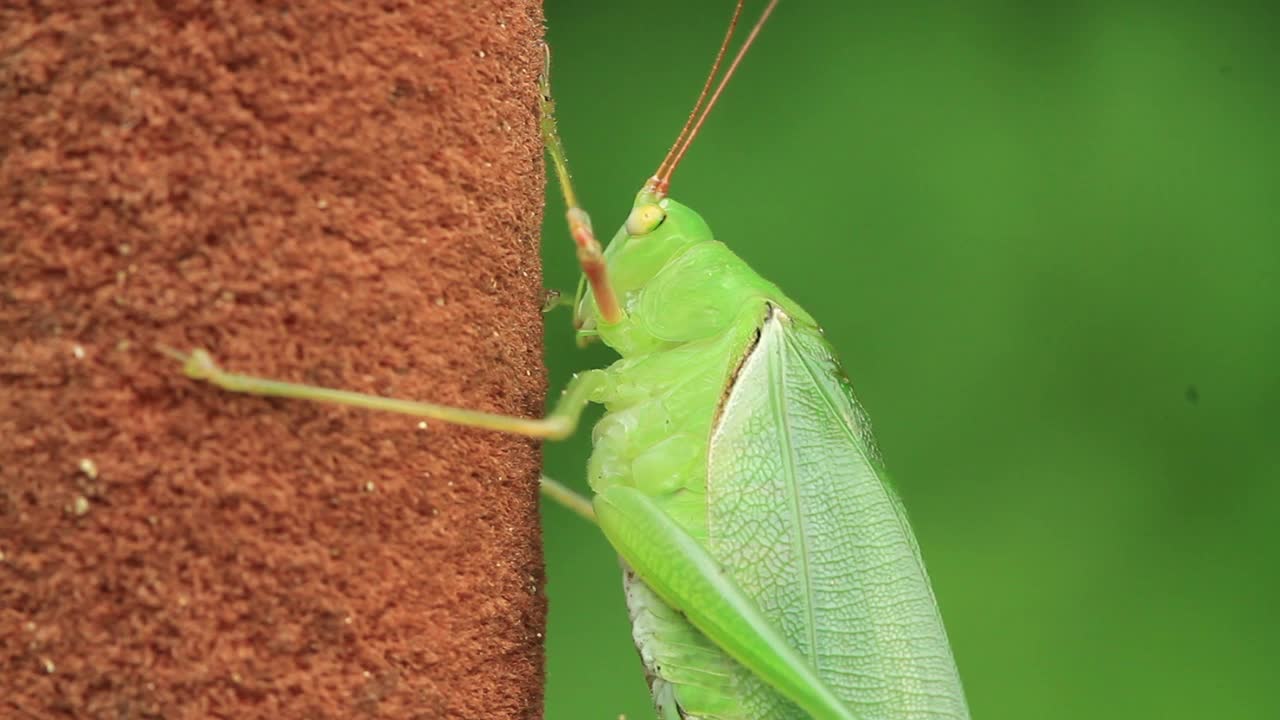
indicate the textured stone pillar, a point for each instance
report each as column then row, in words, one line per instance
column 346, row 194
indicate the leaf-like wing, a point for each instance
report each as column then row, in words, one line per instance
column 800, row 516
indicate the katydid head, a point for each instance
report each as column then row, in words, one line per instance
column 656, row 232
column 658, row 229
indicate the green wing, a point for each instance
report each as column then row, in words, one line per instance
column 679, row 571
column 801, row 518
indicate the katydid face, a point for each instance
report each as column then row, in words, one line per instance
column 656, row 232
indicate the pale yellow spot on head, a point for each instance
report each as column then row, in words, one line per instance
column 644, row 219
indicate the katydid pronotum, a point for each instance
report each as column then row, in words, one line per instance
column 769, row 568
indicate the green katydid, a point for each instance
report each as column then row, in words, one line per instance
column 769, row 568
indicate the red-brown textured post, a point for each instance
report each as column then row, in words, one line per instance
column 342, row 194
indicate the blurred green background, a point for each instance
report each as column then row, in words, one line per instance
column 1046, row 241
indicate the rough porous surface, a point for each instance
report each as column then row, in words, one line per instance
column 342, row 194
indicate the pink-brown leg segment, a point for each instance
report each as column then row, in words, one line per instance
column 590, row 256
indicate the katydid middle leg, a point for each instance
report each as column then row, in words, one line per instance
column 560, row 423
column 557, row 425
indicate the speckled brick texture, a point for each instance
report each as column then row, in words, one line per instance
column 339, row 193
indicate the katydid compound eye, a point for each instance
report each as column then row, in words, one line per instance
column 645, row 219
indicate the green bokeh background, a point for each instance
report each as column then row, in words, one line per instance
column 1046, row 242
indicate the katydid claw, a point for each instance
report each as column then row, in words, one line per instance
column 199, row 365
column 552, row 299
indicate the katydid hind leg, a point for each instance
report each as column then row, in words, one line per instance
column 567, row 498
column 685, row 576
column 557, row 425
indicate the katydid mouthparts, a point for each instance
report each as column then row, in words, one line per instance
column 769, row 568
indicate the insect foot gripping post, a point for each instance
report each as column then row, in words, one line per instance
column 769, row 568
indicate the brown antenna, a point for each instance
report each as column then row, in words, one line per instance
column 706, row 87
column 661, row 181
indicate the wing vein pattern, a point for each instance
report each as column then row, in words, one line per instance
column 801, row 517
column 777, row 391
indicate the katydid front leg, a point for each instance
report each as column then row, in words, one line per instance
column 595, row 269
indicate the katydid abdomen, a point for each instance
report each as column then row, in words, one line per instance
column 730, row 412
